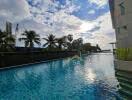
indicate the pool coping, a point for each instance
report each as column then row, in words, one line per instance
column 123, row 65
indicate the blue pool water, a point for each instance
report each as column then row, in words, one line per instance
column 87, row 78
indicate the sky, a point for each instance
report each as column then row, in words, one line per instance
column 88, row 19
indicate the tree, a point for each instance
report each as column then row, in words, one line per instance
column 77, row 44
column 70, row 38
column 87, row 47
column 69, row 42
column 6, row 41
column 50, row 41
column 61, row 42
column 2, row 38
column 80, row 43
column 30, row 37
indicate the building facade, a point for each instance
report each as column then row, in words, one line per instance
column 121, row 15
column 121, row 12
column 9, row 31
column 8, row 28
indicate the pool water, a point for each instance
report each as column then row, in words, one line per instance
column 90, row 77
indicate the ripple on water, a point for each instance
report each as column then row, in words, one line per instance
column 86, row 78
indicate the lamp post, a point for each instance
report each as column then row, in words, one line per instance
column 113, row 46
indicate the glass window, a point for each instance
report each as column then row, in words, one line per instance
column 125, row 27
column 122, row 8
column 118, row 30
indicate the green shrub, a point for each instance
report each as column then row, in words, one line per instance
column 124, row 54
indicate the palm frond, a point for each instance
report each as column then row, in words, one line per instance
column 45, row 39
column 22, row 39
column 45, row 44
column 37, row 41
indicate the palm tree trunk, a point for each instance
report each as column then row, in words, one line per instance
column 31, row 51
column 60, row 47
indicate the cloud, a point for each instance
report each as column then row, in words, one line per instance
column 87, row 26
column 91, row 12
column 14, row 10
column 96, row 28
column 46, row 16
column 99, row 3
column 105, row 33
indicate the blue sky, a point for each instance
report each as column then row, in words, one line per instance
column 82, row 18
column 86, row 7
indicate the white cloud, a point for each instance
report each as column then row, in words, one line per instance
column 14, row 10
column 63, row 22
column 99, row 3
column 105, row 34
column 87, row 26
column 91, row 12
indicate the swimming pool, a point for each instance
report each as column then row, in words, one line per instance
column 89, row 77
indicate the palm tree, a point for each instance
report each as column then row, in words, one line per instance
column 69, row 43
column 2, row 38
column 61, row 42
column 6, row 41
column 70, row 38
column 50, row 41
column 30, row 37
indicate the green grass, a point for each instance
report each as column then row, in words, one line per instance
column 124, row 54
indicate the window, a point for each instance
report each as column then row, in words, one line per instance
column 125, row 27
column 118, row 30
column 122, row 8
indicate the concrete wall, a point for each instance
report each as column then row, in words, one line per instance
column 124, row 40
column 123, row 65
column 124, row 36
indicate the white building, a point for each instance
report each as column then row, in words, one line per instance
column 9, row 31
column 121, row 14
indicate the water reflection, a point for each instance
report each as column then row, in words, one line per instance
column 85, row 78
column 89, row 74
